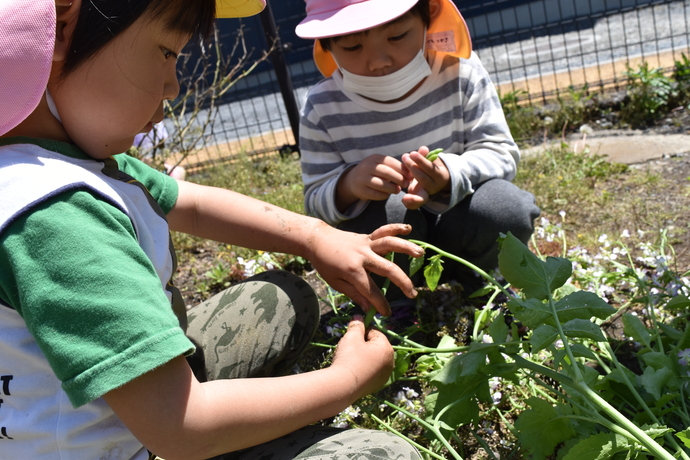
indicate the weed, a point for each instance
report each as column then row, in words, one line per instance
column 648, row 95
column 681, row 75
column 523, row 119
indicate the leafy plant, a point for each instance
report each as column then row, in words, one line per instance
column 522, row 117
column 585, row 401
column 681, row 75
column 648, row 94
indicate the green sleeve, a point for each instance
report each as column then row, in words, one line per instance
column 89, row 295
column 162, row 187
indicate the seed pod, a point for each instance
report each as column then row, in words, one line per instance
column 431, row 156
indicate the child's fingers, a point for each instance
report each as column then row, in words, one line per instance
column 390, row 230
column 411, row 201
column 388, row 269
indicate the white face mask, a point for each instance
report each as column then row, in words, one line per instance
column 51, row 105
column 391, row 86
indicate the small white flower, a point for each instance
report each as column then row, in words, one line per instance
column 562, row 214
column 625, row 233
column 586, row 129
column 410, row 393
column 334, row 330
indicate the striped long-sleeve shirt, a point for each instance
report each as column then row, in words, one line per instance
column 456, row 108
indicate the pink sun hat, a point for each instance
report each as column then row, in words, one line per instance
column 329, row 18
column 447, row 33
column 27, row 41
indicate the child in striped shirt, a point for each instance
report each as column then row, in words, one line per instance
column 402, row 80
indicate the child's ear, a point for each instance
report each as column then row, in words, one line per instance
column 67, row 13
column 434, row 8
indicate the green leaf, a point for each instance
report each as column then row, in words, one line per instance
column 402, row 364
column 498, row 329
column 461, row 366
column 657, row 360
column 462, row 396
column 684, row 436
column 597, row 447
column 542, row 337
column 582, row 305
column 582, row 351
column 655, row 380
column 416, row 263
column 579, row 351
column 655, row 430
column 678, row 302
column 432, row 272
column 541, row 428
column 633, row 327
column 524, row 270
column 672, row 333
column 584, row 329
column 482, row 291
column 531, row 312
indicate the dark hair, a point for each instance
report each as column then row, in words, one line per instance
column 420, row 9
column 102, row 20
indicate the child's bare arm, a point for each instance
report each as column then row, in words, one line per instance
column 176, row 417
column 344, row 259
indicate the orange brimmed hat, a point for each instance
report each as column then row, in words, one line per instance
column 238, row 8
column 447, row 32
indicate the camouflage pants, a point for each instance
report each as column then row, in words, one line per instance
column 259, row 328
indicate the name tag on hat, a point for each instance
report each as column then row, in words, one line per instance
column 441, row 41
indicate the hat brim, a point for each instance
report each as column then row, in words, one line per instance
column 448, row 33
column 239, row 8
column 353, row 18
column 27, row 41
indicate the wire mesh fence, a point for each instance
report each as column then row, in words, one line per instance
column 535, row 49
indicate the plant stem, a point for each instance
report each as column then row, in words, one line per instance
column 640, row 401
column 429, row 427
column 432, row 350
column 602, row 405
column 642, row 437
column 566, row 343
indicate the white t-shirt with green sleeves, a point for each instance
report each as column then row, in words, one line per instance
column 85, row 296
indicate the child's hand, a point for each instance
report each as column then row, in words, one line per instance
column 367, row 355
column 374, row 178
column 345, row 259
column 416, row 196
column 429, row 177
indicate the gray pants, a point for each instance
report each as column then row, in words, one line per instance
column 469, row 230
column 259, row 328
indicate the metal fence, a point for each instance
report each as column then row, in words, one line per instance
column 538, row 49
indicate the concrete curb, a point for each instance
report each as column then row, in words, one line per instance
column 626, row 147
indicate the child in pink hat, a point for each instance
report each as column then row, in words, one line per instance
column 95, row 362
column 401, row 81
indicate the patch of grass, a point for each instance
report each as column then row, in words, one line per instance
column 563, row 180
column 273, row 179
